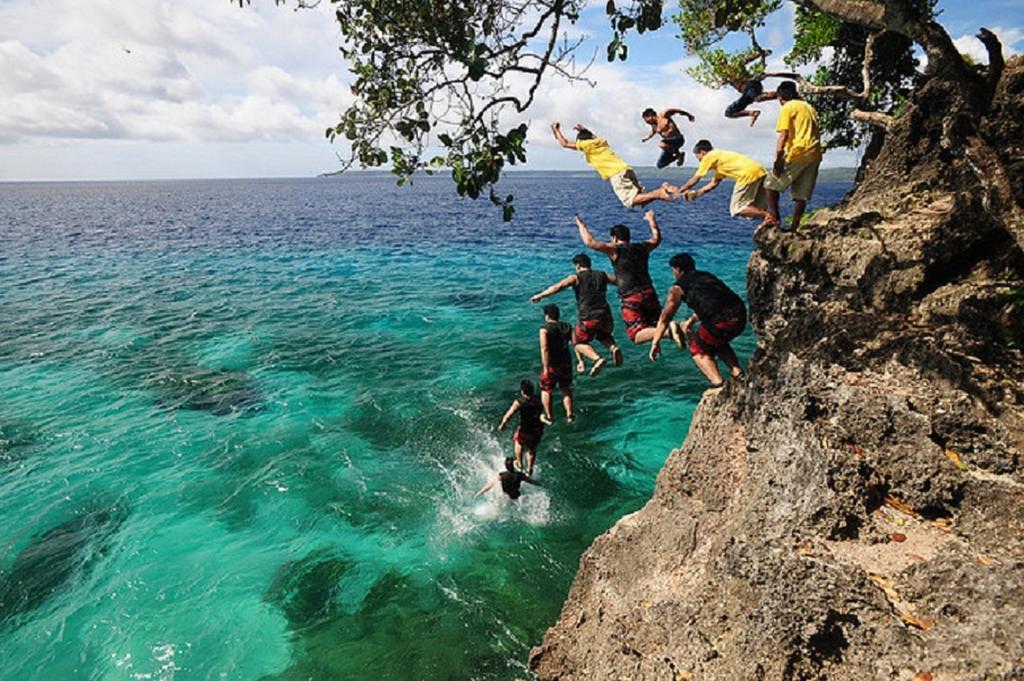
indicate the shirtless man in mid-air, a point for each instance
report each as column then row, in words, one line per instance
column 672, row 140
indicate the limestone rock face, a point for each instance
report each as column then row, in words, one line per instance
column 855, row 508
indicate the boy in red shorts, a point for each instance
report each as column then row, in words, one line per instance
column 719, row 310
column 592, row 311
column 530, row 429
column 556, row 363
column 640, row 306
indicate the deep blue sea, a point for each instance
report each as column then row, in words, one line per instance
column 242, row 423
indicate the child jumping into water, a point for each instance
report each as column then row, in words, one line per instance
column 672, row 140
column 530, row 430
column 606, row 162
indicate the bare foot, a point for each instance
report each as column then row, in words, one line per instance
column 681, row 159
column 617, row 356
column 598, row 365
column 670, row 190
column 754, row 115
column 580, row 367
column 768, row 222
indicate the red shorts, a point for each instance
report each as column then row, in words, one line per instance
column 708, row 341
column 640, row 311
column 560, row 376
column 588, row 329
column 526, row 439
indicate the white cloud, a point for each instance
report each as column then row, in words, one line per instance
column 972, row 47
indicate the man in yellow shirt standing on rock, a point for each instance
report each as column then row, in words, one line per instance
column 612, row 168
column 797, row 153
column 748, row 195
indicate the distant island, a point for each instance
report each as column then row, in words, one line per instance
column 824, row 175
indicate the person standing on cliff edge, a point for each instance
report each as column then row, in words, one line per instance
column 797, row 153
column 594, row 317
column 640, row 306
column 719, row 310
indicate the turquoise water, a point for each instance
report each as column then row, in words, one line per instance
column 242, row 422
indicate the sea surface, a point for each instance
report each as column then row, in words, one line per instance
column 242, row 423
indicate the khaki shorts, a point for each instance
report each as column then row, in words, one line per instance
column 744, row 195
column 801, row 176
column 626, row 186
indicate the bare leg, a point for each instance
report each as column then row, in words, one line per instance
column 644, row 335
column 567, row 403
column 580, row 366
column 659, row 194
column 531, row 456
column 773, row 204
column 731, row 360
column 755, row 213
column 519, row 456
column 545, row 399
column 798, row 213
column 588, row 351
column 708, row 367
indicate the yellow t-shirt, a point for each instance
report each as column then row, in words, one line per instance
column 804, row 142
column 601, row 157
column 731, row 164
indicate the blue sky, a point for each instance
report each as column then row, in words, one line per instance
column 200, row 88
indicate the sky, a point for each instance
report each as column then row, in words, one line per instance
column 155, row 89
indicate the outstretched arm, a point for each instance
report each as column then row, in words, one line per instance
column 668, row 312
column 556, row 128
column 667, row 113
column 508, row 414
column 532, row 481
column 554, row 288
column 655, row 239
column 486, row 488
column 590, row 242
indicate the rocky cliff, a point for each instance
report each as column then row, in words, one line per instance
column 855, row 508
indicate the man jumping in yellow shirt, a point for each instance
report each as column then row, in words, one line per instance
column 797, row 153
column 748, row 195
column 612, row 168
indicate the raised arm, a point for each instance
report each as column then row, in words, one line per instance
column 668, row 113
column 556, row 128
column 590, row 242
column 508, row 414
column 668, row 312
column 655, row 239
column 487, row 488
column 554, row 288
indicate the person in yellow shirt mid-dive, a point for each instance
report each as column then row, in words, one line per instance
column 612, row 168
column 797, row 153
column 748, row 194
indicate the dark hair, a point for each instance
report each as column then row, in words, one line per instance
column 787, row 90
column 552, row 311
column 620, row 232
column 581, row 259
column 649, row 112
column 526, row 387
column 584, row 134
column 702, row 147
column 510, row 464
column 683, row 262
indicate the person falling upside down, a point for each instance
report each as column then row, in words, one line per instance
column 606, row 162
column 749, row 198
column 530, row 430
column 672, row 140
column 640, row 305
column 556, row 363
column 594, row 317
column 751, row 90
column 719, row 310
column 510, row 480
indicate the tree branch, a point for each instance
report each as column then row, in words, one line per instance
column 873, row 118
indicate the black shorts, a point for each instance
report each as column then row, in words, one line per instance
column 670, row 153
column 751, row 92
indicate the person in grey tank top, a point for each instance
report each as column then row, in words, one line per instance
column 594, row 316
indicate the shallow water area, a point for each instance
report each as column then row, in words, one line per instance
column 242, row 423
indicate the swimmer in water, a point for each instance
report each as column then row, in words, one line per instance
column 510, row 480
